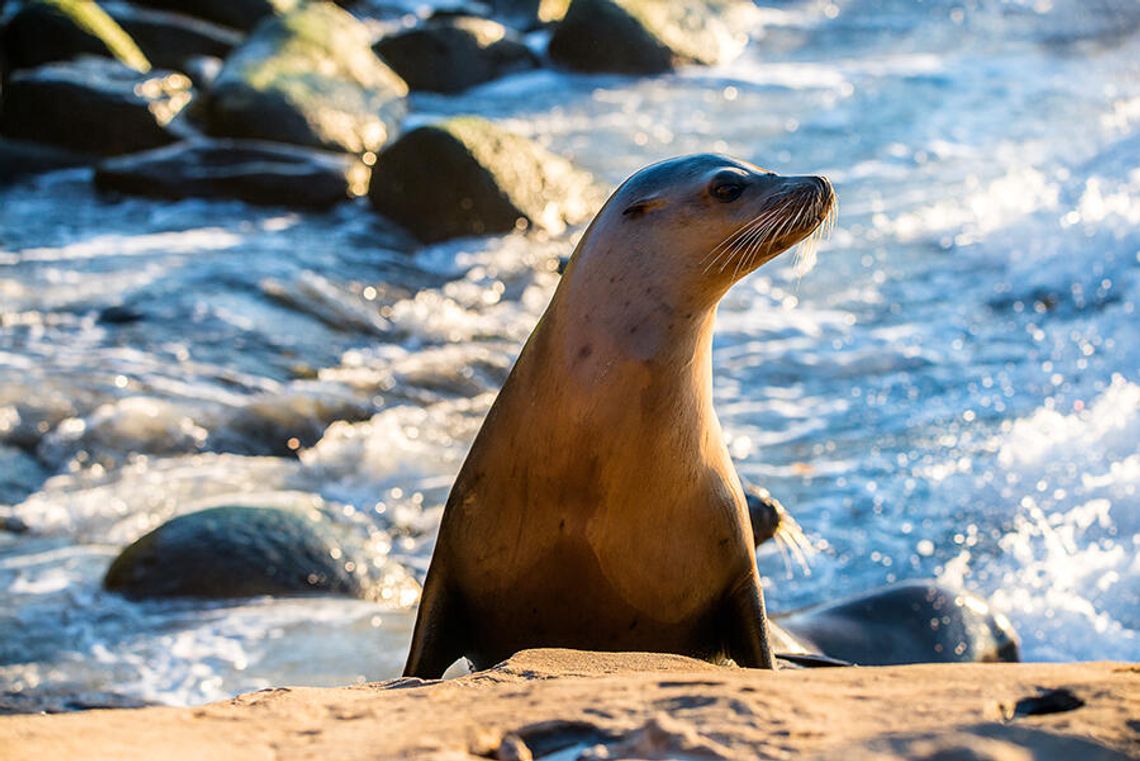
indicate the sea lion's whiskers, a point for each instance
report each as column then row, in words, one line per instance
column 805, row 249
column 780, row 548
column 730, row 244
column 806, row 253
column 774, row 233
column 740, row 231
column 758, row 244
column 740, row 239
column 790, row 534
column 765, row 232
column 756, row 228
column 771, row 235
column 758, row 235
column 726, row 245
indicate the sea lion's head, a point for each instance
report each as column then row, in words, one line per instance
column 694, row 225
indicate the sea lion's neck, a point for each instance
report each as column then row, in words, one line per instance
column 638, row 316
column 630, row 338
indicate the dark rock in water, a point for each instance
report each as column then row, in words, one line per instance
column 249, row 170
column 909, row 622
column 527, row 14
column 465, row 176
column 452, row 54
column 93, row 105
column 13, row 524
column 638, row 36
column 21, row 158
column 44, row 31
column 281, row 425
column 309, row 78
column 119, row 315
column 460, row 9
column 239, row 14
column 226, row 552
column 169, row 39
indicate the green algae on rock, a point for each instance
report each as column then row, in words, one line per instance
column 466, row 176
column 308, row 77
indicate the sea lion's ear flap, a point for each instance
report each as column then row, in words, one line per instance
column 642, row 206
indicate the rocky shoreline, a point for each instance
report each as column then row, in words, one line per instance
column 561, row 704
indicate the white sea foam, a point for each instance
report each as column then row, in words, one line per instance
column 1072, row 557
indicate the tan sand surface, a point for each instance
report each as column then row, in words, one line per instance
column 562, row 704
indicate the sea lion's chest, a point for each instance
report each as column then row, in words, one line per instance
column 645, row 548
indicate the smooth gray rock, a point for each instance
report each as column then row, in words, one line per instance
column 170, row 39
column 239, row 14
column 254, row 171
column 451, row 54
column 465, row 176
column 94, row 105
column 229, row 552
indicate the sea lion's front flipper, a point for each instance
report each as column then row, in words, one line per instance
column 441, row 629
column 746, row 625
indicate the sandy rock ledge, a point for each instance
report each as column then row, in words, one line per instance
column 564, row 704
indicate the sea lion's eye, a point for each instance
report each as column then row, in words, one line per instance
column 726, row 192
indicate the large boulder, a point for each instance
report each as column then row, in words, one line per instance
column 228, row 552
column 451, row 54
column 44, row 31
column 249, row 170
column 465, row 176
column 640, row 36
column 309, row 78
column 94, row 105
column 239, row 14
column 170, row 39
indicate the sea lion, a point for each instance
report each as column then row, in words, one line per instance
column 916, row 621
column 913, row 621
column 598, row 507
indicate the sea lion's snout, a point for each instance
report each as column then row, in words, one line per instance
column 825, row 195
column 806, row 208
column 812, row 194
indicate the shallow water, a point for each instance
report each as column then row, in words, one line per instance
column 953, row 391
